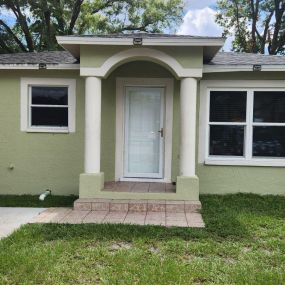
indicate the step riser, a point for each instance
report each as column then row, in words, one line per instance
column 137, row 206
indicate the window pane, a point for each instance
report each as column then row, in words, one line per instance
column 269, row 141
column 49, row 95
column 269, row 107
column 228, row 106
column 45, row 116
column 226, row 140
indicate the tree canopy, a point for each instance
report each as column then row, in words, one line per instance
column 28, row 25
column 258, row 26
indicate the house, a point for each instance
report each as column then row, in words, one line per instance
column 144, row 109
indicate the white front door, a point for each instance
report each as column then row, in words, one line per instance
column 144, row 138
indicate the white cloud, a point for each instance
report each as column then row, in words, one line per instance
column 201, row 22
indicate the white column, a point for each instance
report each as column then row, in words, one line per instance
column 92, row 124
column 188, row 94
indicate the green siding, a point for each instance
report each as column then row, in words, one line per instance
column 55, row 161
column 188, row 57
column 42, row 160
column 233, row 179
column 244, row 76
column 133, row 69
column 216, row 179
column 95, row 56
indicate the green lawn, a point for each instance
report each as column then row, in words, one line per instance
column 33, row 201
column 243, row 243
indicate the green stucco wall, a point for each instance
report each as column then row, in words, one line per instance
column 55, row 161
column 244, row 76
column 133, row 69
column 41, row 160
column 249, row 179
column 234, row 179
column 95, row 56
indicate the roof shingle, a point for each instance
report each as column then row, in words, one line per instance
column 235, row 58
column 47, row 57
column 64, row 57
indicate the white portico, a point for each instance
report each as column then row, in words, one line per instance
column 149, row 100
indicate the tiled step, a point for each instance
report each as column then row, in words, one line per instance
column 137, row 205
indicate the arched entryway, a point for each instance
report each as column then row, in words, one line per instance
column 188, row 93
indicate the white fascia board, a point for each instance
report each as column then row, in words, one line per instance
column 36, row 66
column 184, row 42
column 94, row 41
column 62, row 40
column 207, row 68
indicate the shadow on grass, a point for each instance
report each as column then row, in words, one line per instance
column 221, row 215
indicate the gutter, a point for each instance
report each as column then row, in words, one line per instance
column 38, row 66
column 210, row 68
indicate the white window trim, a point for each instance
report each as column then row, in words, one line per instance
column 26, row 83
column 238, row 85
column 121, row 83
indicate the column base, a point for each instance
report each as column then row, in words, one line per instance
column 89, row 184
column 188, row 187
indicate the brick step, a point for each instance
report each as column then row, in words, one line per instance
column 114, row 205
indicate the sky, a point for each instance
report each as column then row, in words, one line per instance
column 199, row 20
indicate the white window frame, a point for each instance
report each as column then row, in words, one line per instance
column 26, row 87
column 204, row 138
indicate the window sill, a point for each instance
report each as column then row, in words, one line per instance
column 244, row 162
column 48, row 130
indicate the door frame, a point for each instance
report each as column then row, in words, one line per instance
column 121, row 84
column 160, row 174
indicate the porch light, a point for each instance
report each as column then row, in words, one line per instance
column 137, row 41
column 257, row 67
column 42, row 66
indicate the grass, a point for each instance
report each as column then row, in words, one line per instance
column 243, row 243
column 33, row 201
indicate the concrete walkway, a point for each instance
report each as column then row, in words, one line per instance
column 12, row 218
column 69, row 216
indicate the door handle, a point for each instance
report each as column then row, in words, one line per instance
column 161, row 132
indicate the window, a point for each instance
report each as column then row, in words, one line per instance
column 269, row 124
column 246, row 126
column 48, row 105
column 227, row 122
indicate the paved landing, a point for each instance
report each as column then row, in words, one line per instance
column 168, row 219
column 12, row 218
column 139, row 187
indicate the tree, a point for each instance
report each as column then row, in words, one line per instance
column 258, row 26
column 29, row 25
